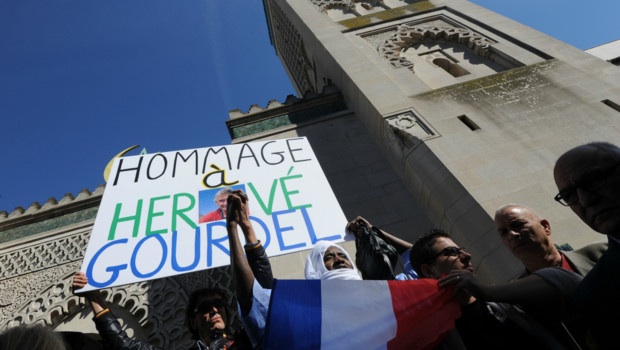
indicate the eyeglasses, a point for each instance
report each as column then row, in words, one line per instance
column 589, row 182
column 208, row 305
column 450, row 251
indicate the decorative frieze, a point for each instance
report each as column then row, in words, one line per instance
column 290, row 46
column 349, row 5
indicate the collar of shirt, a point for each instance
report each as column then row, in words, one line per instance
column 565, row 264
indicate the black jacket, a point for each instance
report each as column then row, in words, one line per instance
column 115, row 338
column 259, row 263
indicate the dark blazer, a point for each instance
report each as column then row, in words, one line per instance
column 598, row 298
column 573, row 333
column 583, row 259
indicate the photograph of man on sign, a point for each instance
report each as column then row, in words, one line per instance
column 212, row 205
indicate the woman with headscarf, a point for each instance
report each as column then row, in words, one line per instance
column 328, row 261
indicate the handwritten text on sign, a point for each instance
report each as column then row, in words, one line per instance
column 159, row 215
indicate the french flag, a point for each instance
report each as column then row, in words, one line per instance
column 345, row 314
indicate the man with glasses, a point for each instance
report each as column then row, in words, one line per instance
column 482, row 325
column 588, row 181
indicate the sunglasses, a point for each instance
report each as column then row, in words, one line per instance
column 450, row 251
column 207, row 306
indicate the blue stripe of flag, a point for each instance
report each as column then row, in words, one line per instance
column 295, row 304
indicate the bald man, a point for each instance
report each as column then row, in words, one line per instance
column 528, row 237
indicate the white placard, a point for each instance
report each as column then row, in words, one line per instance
column 148, row 224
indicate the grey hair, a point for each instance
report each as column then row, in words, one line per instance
column 224, row 191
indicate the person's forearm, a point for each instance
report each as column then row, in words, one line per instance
column 96, row 300
column 400, row 244
column 97, row 308
column 248, row 232
column 529, row 290
column 256, row 256
column 242, row 274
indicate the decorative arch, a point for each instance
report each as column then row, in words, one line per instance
column 407, row 36
column 452, row 68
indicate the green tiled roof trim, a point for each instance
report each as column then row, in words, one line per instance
column 292, row 117
column 48, row 224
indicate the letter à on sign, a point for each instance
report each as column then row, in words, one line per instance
column 159, row 217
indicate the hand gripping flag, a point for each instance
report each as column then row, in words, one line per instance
column 337, row 314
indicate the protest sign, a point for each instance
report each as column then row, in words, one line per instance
column 159, row 217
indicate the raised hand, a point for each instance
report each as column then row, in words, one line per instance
column 354, row 225
column 95, row 297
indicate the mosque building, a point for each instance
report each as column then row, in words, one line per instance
column 422, row 114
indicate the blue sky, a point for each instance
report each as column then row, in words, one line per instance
column 81, row 80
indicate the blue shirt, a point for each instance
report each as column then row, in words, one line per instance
column 254, row 321
column 408, row 272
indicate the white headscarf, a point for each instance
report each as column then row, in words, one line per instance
column 315, row 267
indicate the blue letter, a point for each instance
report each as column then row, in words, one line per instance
column 313, row 237
column 265, row 228
column 280, row 230
column 217, row 242
column 114, row 269
column 164, row 249
column 175, row 264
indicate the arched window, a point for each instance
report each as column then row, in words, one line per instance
column 454, row 69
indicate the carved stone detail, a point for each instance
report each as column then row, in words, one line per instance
column 290, row 47
column 30, row 285
column 44, row 255
column 347, row 5
column 404, row 132
column 407, row 35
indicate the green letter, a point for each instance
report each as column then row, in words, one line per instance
column 180, row 212
column 287, row 193
column 269, row 207
column 117, row 219
column 149, row 218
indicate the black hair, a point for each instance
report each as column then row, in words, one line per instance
column 422, row 250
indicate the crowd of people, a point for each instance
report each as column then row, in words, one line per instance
column 564, row 299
